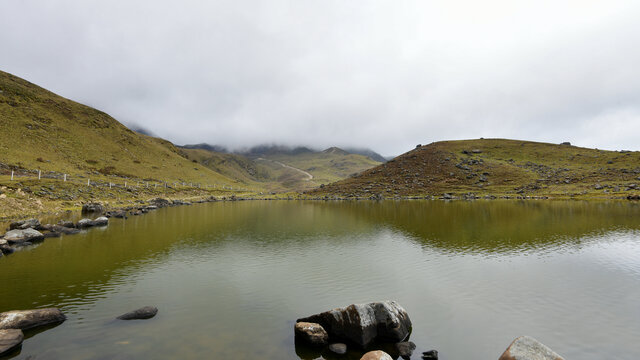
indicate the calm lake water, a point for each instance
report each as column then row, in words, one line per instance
column 230, row 279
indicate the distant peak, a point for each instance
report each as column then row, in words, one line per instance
column 335, row 150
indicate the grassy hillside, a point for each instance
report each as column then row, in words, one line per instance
column 324, row 167
column 282, row 169
column 41, row 131
column 500, row 168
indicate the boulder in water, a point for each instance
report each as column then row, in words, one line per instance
column 27, row 319
column 364, row 324
column 528, row 348
column 311, row 333
column 10, row 339
column 20, row 236
column 146, row 312
column 405, row 349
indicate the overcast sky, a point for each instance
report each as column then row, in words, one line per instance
column 379, row 74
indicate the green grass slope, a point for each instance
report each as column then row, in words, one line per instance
column 41, row 130
column 325, row 166
column 498, row 167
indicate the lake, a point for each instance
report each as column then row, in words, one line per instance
column 230, row 278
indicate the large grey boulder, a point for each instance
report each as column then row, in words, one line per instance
column 10, row 339
column 64, row 230
column 20, row 236
column 311, row 333
column 376, row 355
column 92, row 208
column 364, row 324
column 25, row 224
column 528, row 348
column 146, row 312
column 27, row 319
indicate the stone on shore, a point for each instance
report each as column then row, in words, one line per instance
column 21, row 236
column 6, row 249
column 85, row 223
column 528, row 348
column 10, row 339
column 66, row 223
column 405, row 349
column 146, row 312
column 376, row 355
column 92, row 208
column 24, row 224
column 364, row 324
column 64, row 229
column 101, row 221
column 311, row 333
column 338, row 348
column 27, row 319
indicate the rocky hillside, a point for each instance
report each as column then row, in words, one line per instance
column 497, row 167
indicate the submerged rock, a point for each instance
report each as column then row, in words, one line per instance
column 10, row 339
column 24, row 224
column 364, row 324
column 338, row 348
column 20, row 236
column 528, row 348
column 27, row 319
column 146, row 312
column 311, row 333
column 405, row 349
column 376, row 355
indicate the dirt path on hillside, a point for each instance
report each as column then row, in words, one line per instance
column 306, row 174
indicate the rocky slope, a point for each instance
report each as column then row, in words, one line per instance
column 497, row 167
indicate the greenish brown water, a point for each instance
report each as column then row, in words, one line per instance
column 230, row 278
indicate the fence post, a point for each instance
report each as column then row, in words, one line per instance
column 88, row 182
column 65, row 177
column 109, row 184
column 11, row 175
column 39, row 173
column 125, row 184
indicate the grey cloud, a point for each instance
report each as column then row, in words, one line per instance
column 378, row 74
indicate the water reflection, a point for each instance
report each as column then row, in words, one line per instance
column 479, row 271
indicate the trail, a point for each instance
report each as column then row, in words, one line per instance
column 308, row 175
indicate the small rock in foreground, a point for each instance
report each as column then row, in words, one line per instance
column 311, row 333
column 27, row 319
column 405, row 349
column 528, row 348
column 146, row 312
column 10, row 339
column 376, row 355
column 338, row 348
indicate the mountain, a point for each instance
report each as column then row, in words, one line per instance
column 497, row 167
column 140, row 130
column 368, row 153
column 334, row 150
column 208, row 147
column 265, row 150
